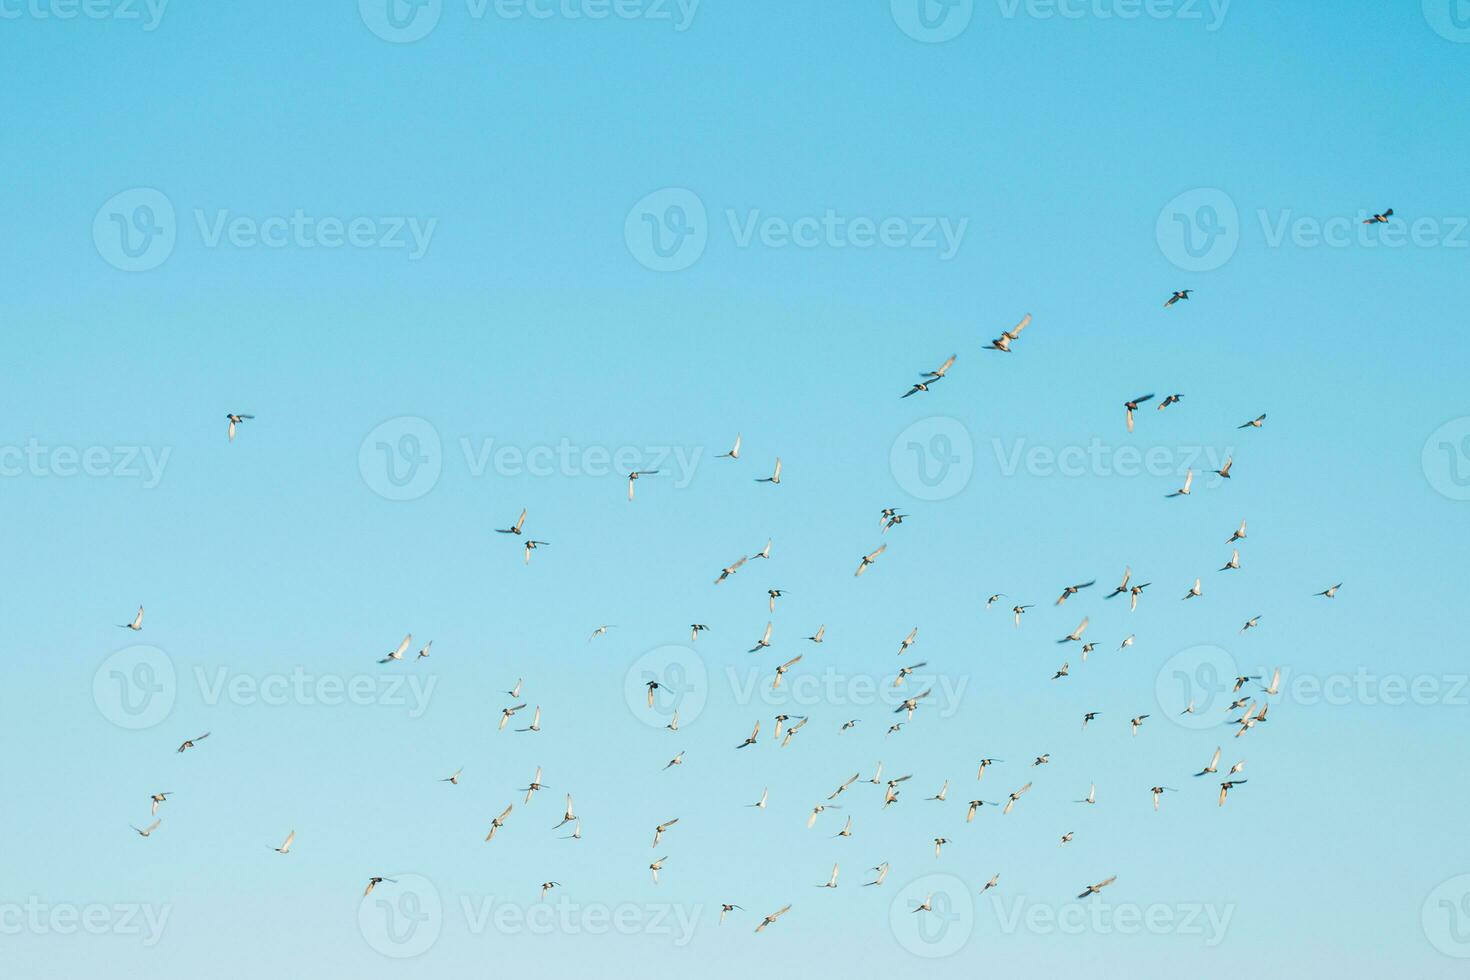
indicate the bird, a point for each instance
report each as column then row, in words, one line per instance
column 973, row 806
column 1131, row 406
column 569, row 816
column 984, row 764
column 1076, row 635
column 734, row 452
column 912, row 704
column 1127, row 641
column 774, row 477
column 532, row 546
column 1041, row 760
column 1178, row 295
column 918, row 386
column 399, row 651
column 781, row 670
column 1094, row 889
column 1158, row 791
column 1379, row 219
column 1227, row 786
column 1072, row 590
column 1067, row 837
column 656, row 866
column 1019, row 611
column 760, row 804
column 497, row 822
column 148, row 830
column 894, row 521
column 882, row 870
column 600, row 631
column 286, row 847
column 695, row 629
column 1194, row 591
column 1224, row 471
column 992, row 600
column 1011, row 800
column 516, row 527
column 764, row 552
column 547, row 886
column 1086, row 649
column 908, row 641
column 751, row 740
column 189, row 742
column 1184, row 490
column 730, row 569
column 818, row 635
column 724, row 908
column 374, row 882
column 236, row 418
column 677, row 760
column 832, row 881
column 1254, row 423
column 868, row 559
column 1234, row 561
column 773, row 917
column 1123, row 585
column 1213, row 765
column 156, row 799
column 136, row 625
column 673, row 724
column 1170, row 400
column 763, row 642
column 535, row 785
column 1239, row 534
column 1091, row 797
column 658, row 831
column 943, row 368
column 939, row 843
column 816, row 810
column 906, row 671
column 633, row 476
column 1089, row 716
column 453, row 780
column 1061, row 671
column 1274, row 688
column 576, row 833
column 1251, row 623
column 774, row 594
column 1004, row 341
column 1137, row 723
column 515, row 692
column 927, row 905
column 842, row 788
column 424, row 651
column 992, row 883
column 535, row 725
column 1331, row 591
column 505, row 713
column 943, row 791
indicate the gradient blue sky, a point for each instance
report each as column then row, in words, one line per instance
column 530, row 321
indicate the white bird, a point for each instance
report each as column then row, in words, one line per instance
column 764, row 552
column 547, row 886
column 1127, row 642
column 832, row 881
column 1091, row 794
column 927, row 905
column 774, row 477
column 763, row 642
column 188, row 743
column 424, row 650
column 882, row 870
column 1330, row 592
column 1094, row 889
column 658, row 832
column 397, row 654
column 908, row 641
column 516, row 527
column 725, row 907
column 236, row 419
column 535, row 725
column 1158, row 791
column 939, row 843
column 515, row 692
column 374, row 882
column 943, row 791
column 760, row 804
column 812, row 819
column 1184, row 490
column 286, row 847
column 973, row 806
column 1274, row 687
column 869, row 558
column 1234, row 561
column 136, row 624
column 453, row 779
column 730, row 569
column 1213, row 765
column 673, row 724
column 656, row 866
column 906, row 671
column 1019, row 611
column 754, row 732
column 600, row 631
column 773, row 917
column 1076, row 635
column 497, row 822
column 576, row 833
column 505, row 713
column 532, row 546
column 841, row 789
column 846, row 830
column 734, row 452
column 1003, row 342
column 567, row 817
column 1239, row 534
column 819, row 634
column 158, row 798
column 1067, row 837
column 994, row 881
column 1137, row 723
column 1194, row 591
column 535, row 785
column 146, row 831
column 633, row 476
column 677, row 760
column 1254, row 423
column 1011, row 800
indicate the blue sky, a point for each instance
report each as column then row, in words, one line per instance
column 436, row 243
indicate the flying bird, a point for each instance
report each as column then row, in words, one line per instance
column 1131, row 406
column 516, row 527
column 497, row 822
column 1072, row 590
column 1094, row 889
column 1004, row 341
column 633, row 476
column 730, row 569
column 136, row 624
column 1184, row 490
column 1076, row 635
column 236, row 419
column 1254, row 423
column 869, row 558
column 773, row 917
column 286, row 847
column 763, row 642
column 397, row 653
column 1331, row 591
column 532, row 546
column 774, row 477
column 1178, row 295
column 1379, row 219
column 148, row 830
column 734, row 452
column 189, row 742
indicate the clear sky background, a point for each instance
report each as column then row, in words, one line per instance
column 532, row 318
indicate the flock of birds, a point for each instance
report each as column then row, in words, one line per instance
column 1250, row 702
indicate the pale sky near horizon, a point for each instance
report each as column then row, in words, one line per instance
column 462, row 258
